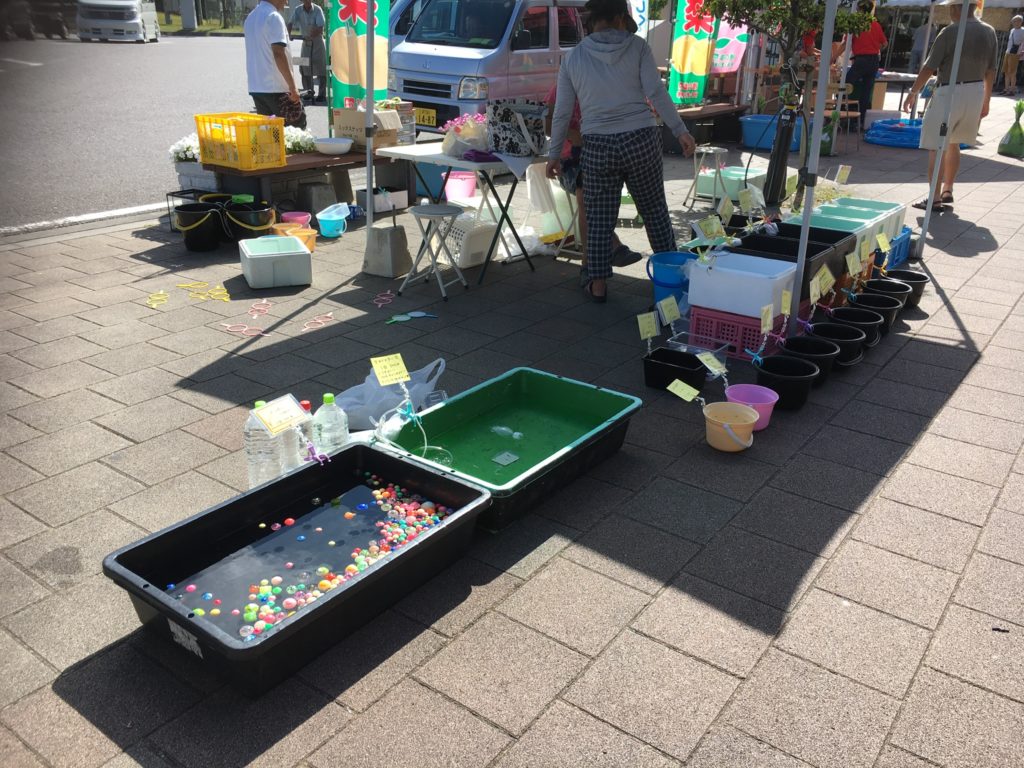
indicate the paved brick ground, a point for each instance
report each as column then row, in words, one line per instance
column 850, row 592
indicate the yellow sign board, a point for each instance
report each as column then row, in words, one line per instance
column 683, row 390
column 883, row 242
column 390, row 369
column 766, row 318
column 280, row 414
column 648, row 323
column 711, row 362
column 669, row 310
column 787, row 301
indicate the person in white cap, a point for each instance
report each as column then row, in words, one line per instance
column 970, row 95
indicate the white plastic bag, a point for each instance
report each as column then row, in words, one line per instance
column 365, row 403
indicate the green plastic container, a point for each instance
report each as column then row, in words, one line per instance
column 522, row 436
column 863, row 230
column 893, row 213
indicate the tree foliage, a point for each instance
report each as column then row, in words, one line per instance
column 786, row 21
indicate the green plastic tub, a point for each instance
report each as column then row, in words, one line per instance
column 863, row 230
column 521, row 436
column 893, row 213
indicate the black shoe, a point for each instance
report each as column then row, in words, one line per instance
column 623, row 256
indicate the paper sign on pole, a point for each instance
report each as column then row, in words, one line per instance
column 683, row 390
column 787, row 301
column 711, row 362
column 843, row 174
column 669, row 309
column 853, row 263
column 766, row 318
column 390, row 369
column 725, row 209
column 865, row 251
column 710, row 228
column 648, row 323
column 746, row 201
column 883, row 242
column 815, row 288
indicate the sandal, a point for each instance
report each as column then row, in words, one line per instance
column 923, row 206
column 588, row 291
column 946, row 197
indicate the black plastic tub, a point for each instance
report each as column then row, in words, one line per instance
column 894, row 288
column 887, row 306
column 247, row 220
column 790, row 377
column 842, row 243
column 784, row 249
column 175, row 576
column 867, row 320
column 821, row 352
column 916, row 280
column 850, row 341
column 200, row 224
column 662, row 366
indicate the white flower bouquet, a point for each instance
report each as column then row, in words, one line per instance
column 185, row 150
column 298, row 140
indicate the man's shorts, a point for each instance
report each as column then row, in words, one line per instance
column 571, row 177
column 964, row 120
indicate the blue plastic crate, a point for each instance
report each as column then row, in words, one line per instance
column 899, row 250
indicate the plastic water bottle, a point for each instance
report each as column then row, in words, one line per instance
column 291, row 448
column 306, row 430
column 262, row 452
column 330, row 426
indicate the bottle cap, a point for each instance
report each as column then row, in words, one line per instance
column 306, row 405
column 328, row 398
column 260, row 403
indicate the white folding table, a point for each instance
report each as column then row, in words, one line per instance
column 431, row 154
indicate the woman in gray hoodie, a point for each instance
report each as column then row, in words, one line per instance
column 613, row 76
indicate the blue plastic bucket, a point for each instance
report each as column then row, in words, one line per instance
column 666, row 272
column 759, row 132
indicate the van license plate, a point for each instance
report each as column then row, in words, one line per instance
column 426, row 117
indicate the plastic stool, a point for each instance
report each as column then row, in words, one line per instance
column 699, row 157
column 435, row 222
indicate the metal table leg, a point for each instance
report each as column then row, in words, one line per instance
column 503, row 219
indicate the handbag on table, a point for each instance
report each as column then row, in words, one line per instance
column 516, row 127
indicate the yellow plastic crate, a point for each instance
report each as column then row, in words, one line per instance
column 241, row 140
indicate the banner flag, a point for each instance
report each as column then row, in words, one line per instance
column 691, row 52
column 348, row 41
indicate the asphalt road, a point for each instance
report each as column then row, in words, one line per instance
column 85, row 127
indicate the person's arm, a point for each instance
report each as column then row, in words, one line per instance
column 564, row 101
column 284, row 66
column 923, row 77
column 654, row 89
column 319, row 23
column 990, row 81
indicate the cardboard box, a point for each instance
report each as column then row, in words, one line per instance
column 351, row 124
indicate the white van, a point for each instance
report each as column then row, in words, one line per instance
column 117, row 20
column 458, row 54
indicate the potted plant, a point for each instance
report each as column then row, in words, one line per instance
column 191, row 175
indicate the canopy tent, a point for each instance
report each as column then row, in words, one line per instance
column 926, row 3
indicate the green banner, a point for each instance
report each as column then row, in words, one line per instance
column 347, row 42
column 691, row 52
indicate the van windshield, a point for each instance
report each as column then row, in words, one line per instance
column 463, row 23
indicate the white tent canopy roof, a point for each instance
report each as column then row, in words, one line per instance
column 926, row 3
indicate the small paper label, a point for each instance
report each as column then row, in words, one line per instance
column 865, row 251
column 853, row 264
column 710, row 228
column 843, row 174
column 685, row 391
column 746, row 201
column 766, row 318
column 505, row 458
column 390, row 369
column 711, row 362
column 280, row 414
column 757, row 196
column 725, row 208
column 815, row 289
column 669, row 310
column 883, row 242
column 648, row 323
column 826, row 279
column 791, row 184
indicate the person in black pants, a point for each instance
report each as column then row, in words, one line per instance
column 867, row 48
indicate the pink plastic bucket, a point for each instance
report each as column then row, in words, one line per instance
column 461, row 185
column 761, row 399
column 297, row 217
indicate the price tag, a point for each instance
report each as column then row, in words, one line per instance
column 725, row 209
column 669, row 310
column 390, row 369
column 826, row 278
column 711, row 362
column 746, row 201
column 853, row 263
column 648, row 323
column 685, row 391
column 815, row 288
column 280, row 414
column 787, row 302
column 710, row 228
column 766, row 318
column 865, row 251
column 883, row 242
column 791, row 184
column 843, row 174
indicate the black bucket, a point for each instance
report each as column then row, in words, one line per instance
column 867, row 320
column 790, row 377
column 916, row 280
column 201, row 225
column 850, row 341
column 887, row 306
column 821, row 352
column 887, row 287
column 220, row 199
column 246, row 220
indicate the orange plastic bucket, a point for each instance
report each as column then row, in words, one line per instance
column 307, row 236
column 285, row 228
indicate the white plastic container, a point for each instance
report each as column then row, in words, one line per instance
column 740, row 284
column 272, row 262
column 734, row 178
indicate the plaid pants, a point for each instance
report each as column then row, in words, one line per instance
column 633, row 158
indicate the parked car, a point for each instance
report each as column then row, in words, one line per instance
column 458, row 54
column 118, row 20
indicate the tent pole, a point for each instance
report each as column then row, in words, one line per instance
column 943, row 128
column 370, row 40
column 811, row 175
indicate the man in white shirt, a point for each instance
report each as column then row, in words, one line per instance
column 268, row 65
column 309, row 18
